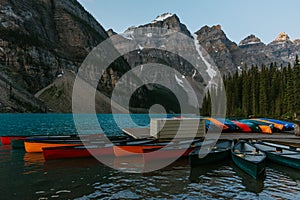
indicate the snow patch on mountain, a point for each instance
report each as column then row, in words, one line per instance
column 128, row 35
column 179, row 81
column 162, row 17
column 211, row 72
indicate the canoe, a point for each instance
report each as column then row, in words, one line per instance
column 105, row 149
column 244, row 127
column 288, row 126
column 266, row 127
column 280, row 155
column 253, row 126
column 257, row 126
column 216, row 123
column 248, row 158
column 173, row 150
column 232, row 127
column 132, row 149
column 36, row 144
column 277, row 126
column 6, row 140
column 55, row 153
column 218, row 152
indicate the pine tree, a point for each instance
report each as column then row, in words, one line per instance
column 245, row 92
column 254, row 90
column 263, row 99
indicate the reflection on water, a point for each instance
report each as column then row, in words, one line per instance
column 33, row 162
column 28, row 176
column 251, row 185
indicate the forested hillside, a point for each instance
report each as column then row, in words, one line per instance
column 272, row 91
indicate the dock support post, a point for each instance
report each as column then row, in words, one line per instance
column 297, row 130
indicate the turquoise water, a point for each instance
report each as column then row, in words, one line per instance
column 63, row 124
column 29, row 176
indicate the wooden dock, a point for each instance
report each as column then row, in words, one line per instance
column 282, row 138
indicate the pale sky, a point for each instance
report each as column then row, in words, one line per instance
column 238, row 18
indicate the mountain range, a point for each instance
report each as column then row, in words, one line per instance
column 44, row 42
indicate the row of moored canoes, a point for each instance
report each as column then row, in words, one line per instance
column 255, row 125
column 250, row 157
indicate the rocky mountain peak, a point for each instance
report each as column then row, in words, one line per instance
column 165, row 21
column 163, row 17
column 216, row 43
column 250, row 40
column 282, row 37
column 214, row 32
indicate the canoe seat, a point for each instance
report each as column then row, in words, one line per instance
column 240, row 155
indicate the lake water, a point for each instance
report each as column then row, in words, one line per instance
column 28, row 176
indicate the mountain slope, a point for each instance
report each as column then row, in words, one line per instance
column 41, row 39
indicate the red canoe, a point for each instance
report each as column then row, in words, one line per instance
column 244, row 127
column 54, row 153
column 79, row 151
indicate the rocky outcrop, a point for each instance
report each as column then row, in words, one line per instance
column 251, row 51
column 224, row 52
column 169, row 21
column 255, row 52
column 41, row 39
column 250, row 40
column 282, row 47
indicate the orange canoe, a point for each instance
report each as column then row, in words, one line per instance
column 265, row 129
column 217, row 123
column 37, row 147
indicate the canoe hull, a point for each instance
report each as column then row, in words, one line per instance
column 253, row 169
column 56, row 153
column 287, row 161
column 282, row 156
column 248, row 159
column 37, row 147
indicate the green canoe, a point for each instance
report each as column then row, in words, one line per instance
column 247, row 157
column 280, row 155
